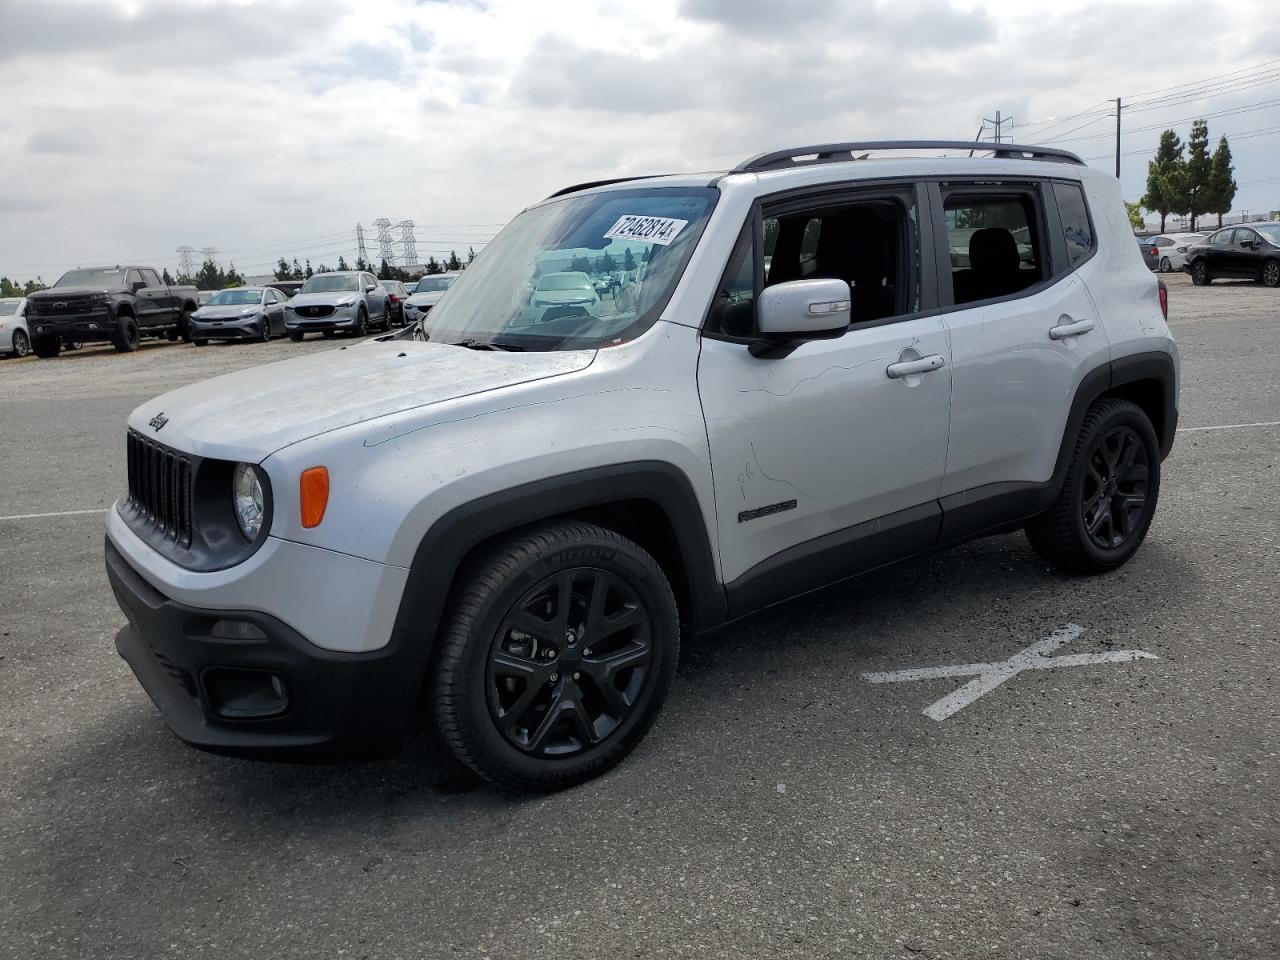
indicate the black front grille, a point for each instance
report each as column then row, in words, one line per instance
column 314, row 311
column 160, row 487
column 61, row 307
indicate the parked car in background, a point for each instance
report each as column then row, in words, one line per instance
column 425, row 294
column 287, row 287
column 1150, row 253
column 1249, row 252
column 241, row 313
column 1171, row 249
column 565, row 294
column 399, row 294
column 119, row 304
column 348, row 301
column 14, row 337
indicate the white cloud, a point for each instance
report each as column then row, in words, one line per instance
column 273, row 127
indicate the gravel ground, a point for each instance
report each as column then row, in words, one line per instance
column 781, row 807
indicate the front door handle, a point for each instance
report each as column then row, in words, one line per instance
column 905, row 368
column 1069, row 328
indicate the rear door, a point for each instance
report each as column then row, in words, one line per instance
column 824, row 461
column 1024, row 333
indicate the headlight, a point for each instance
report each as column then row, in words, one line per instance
column 249, row 313
column 344, row 303
column 248, row 499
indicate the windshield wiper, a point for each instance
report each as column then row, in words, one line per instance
column 473, row 344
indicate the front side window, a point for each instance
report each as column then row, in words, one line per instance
column 135, row 278
column 433, row 284
column 1244, row 236
column 331, row 283
column 576, row 273
column 1220, row 239
column 994, row 245
column 1076, row 229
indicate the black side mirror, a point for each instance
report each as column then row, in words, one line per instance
column 139, row 285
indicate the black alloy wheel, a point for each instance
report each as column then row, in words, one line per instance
column 1114, row 492
column 1271, row 273
column 361, row 326
column 21, row 344
column 266, row 328
column 1200, row 273
column 569, row 662
column 1165, row 265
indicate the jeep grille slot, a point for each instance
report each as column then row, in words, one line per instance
column 160, row 487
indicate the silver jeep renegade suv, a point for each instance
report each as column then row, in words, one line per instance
column 798, row 370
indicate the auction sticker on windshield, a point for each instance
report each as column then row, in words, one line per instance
column 660, row 230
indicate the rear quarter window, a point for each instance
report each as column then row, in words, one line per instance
column 1077, row 231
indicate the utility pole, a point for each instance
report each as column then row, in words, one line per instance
column 998, row 123
column 1117, row 138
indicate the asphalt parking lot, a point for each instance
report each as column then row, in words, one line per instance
column 783, row 805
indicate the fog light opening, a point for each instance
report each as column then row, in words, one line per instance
column 237, row 694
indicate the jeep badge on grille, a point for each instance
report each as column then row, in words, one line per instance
column 158, row 421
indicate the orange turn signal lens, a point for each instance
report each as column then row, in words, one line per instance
column 313, row 490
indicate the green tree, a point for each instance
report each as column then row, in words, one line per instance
column 8, row 288
column 231, row 278
column 282, row 271
column 580, row 265
column 471, row 254
column 309, row 272
column 1135, row 215
column 324, row 269
column 454, row 263
column 1222, row 185
column 1199, row 169
column 628, row 260
column 31, row 286
column 1166, row 179
column 165, row 278
column 607, row 263
column 342, row 263
column 208, row 277
column 432, row 266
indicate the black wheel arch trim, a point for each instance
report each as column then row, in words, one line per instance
column 453, row 536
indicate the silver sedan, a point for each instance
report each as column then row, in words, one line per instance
column 242, row 313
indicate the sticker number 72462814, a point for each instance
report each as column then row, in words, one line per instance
column 660, row 230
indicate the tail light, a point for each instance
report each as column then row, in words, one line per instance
column 1164, row 299
column 394, row 298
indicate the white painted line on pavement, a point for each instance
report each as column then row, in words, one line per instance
column 1232, row 426
column 988, row 676
column 60, row 513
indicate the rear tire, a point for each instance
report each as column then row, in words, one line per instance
column 1165, row 265
column 1200, row 274
column 46, row 347
column 1271, row 273
column 21, row 343
column 184, row 325
column 519, row 694
column 125, row 337
column 1105, row 506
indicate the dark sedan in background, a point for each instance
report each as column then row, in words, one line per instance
column 242, row 313
column 1150, row 253
column 1245, row 252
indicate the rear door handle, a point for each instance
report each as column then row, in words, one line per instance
column 1069, row 328
column 905, row 368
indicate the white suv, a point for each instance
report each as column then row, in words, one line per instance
column 819, row 365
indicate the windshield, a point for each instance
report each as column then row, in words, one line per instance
column 92, row 278
column 433, row 284
column 1270, row 231
column 231, row 298
column 8, row 307
column 642, row 237
column 565, row 281
column 331, row 283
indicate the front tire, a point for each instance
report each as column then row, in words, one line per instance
column 125, row 338
column 1108, row 499
column 1200, row 274
column 46, row 348
column 21, row 343
column 558, row 650
column 361, row 327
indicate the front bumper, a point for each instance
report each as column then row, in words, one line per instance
column 249, row 328
column 84, row 326
column 342, row 318
column 246, row 684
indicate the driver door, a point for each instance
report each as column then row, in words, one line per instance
column 824, row 462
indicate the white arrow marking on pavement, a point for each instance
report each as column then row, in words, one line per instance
column 988, row 676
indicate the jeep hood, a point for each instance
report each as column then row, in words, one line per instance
column 250, row 414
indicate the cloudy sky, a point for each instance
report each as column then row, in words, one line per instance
column 272, row 128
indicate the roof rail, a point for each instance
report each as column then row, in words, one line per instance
column 841, row 152
column 597, row 183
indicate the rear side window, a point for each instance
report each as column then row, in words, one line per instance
column 1076, row 229
column 994, row 244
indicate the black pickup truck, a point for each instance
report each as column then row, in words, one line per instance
column 120, row 304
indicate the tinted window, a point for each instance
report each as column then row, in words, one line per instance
column 151, row 278
column 732, row 312
column 1075, row 221
column 1221, row 238
column 994, row 245
column 134, row 277
column 1244, row 236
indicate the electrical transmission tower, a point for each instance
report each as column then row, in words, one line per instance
column 361, row 253
column 210, row 254
column 185, row 266
column 408, row 245
column 999, row 124
column 386, row 244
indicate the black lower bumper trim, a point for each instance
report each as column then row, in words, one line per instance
column 339, row 705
